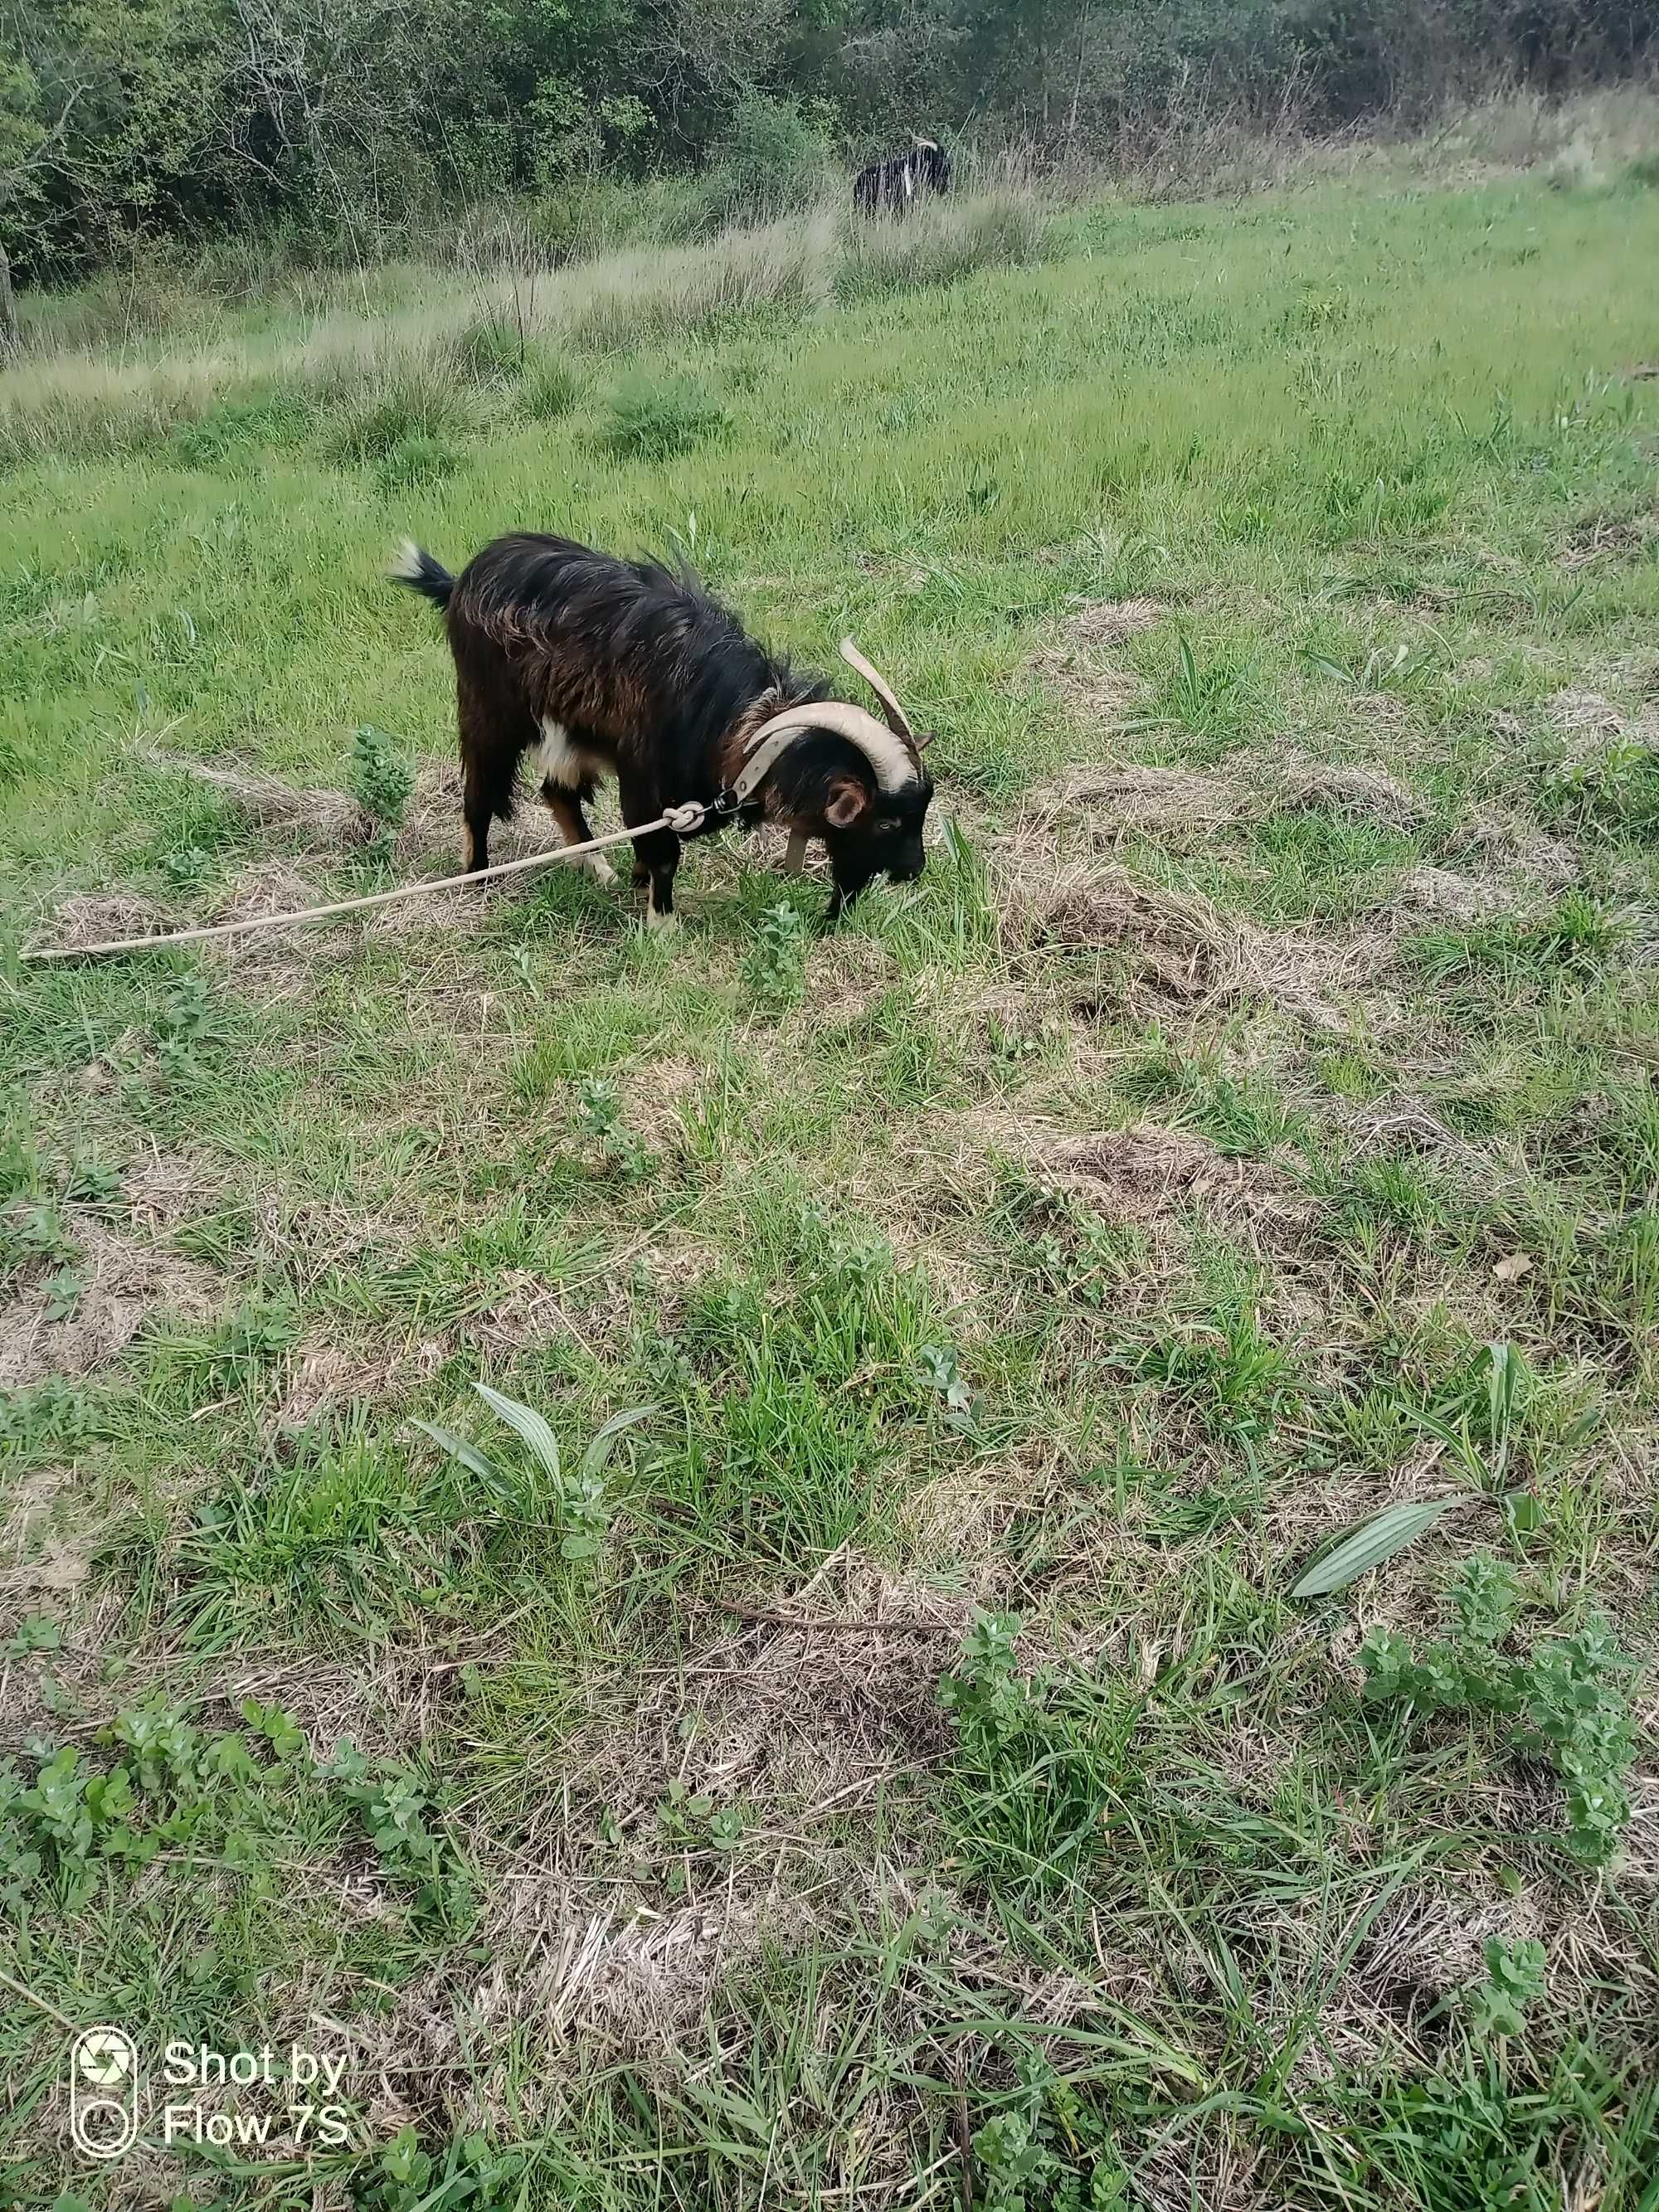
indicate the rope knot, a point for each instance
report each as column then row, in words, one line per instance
column 682, row 820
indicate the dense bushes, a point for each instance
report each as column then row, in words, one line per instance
column 345, row 125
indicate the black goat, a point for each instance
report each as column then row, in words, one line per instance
column 623, row 668
column 893, row 185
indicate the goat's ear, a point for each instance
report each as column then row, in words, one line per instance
column 848, row 802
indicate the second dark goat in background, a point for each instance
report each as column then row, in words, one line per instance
column 606, row 667
column 895, row 184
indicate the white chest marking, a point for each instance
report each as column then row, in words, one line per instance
column 558, row 761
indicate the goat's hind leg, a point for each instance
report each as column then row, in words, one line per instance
column 491, row 721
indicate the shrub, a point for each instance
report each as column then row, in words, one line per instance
column 769, row 161
column 381, row 779
column 654, row 417
column 776, row 965
column 1516, row 1977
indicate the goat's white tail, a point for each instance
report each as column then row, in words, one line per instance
column 415, row 566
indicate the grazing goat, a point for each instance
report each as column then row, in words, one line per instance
column 624, row 668
column 892, row 187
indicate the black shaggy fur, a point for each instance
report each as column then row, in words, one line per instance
column 892, row 186
column 636, row 672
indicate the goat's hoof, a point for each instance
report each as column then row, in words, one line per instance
column 661, row 924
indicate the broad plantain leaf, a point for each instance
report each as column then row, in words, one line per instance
column 1370, row 1545
column 472, row 1459
column 605, row 1439
column 527, row 1423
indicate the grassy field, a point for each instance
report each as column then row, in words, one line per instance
column 892, row 1768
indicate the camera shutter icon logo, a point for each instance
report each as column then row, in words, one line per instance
column 103, row 2092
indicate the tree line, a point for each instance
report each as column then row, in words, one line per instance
column 338, row 122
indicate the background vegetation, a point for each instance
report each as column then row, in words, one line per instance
column 347, row 128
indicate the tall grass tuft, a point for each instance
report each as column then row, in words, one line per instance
column 940, row 242
column 654, row 417
column 492, row 352
column 402, row 415
column 93, row 408
column 655, row 299
column 550, row 390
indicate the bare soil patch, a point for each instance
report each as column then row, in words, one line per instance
column 1182, row 951
column 1143, row 1174
column 1362, row 795
column 119, row 1281
column 1107, row 800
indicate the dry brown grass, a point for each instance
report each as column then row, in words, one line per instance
column 86, row 918
column 1178, row 949
column 1362, row 795
column 1101, row 802
column 1076, row 664
column 1144, row 1174
column 123, row 1281
column 322, row 817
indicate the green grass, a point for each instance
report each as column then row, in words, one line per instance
column 1085, row 1233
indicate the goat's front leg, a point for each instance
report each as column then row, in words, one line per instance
column 567, row 809
column 656, row 857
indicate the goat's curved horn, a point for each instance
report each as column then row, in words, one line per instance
column 893, row 758
column 896, row 718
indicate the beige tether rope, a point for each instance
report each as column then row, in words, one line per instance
column 684, row 819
